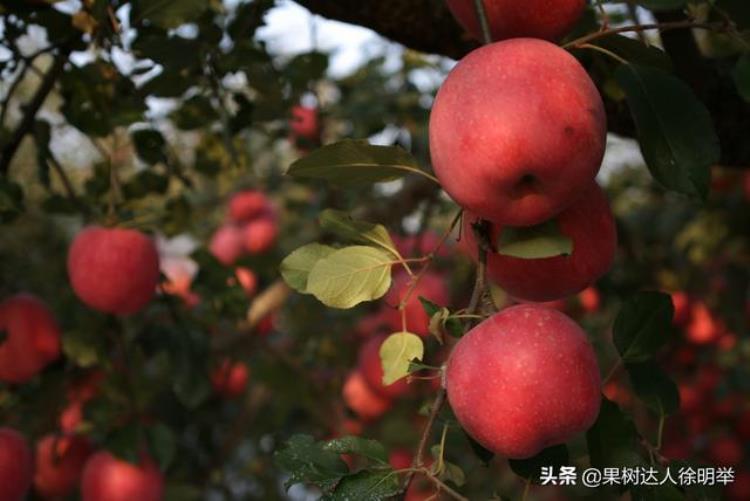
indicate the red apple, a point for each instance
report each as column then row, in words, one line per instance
column 227, row 244
column 32, row 338
column 421, row 245
column 304, row 123
column 371, row 368
column 726, row 451
column 590, row 299
column 247, row 279
column 59, row 464
column 517, row 131
column 374, row 323
column 739, row 490
column 259, row 235
column 431, row 286
column 229, row 379
column 79, row 393
column 106, row 478
column 523, row 380
column 590, row 226
column 681, row 304
column 547, row 19
column 360, row 398
column 691, row 398
column 113, row 270
column 704, row 327
column 16, row 465
column 247, row 205
column 400, row 459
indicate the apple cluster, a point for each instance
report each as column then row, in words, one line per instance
column 517, row 136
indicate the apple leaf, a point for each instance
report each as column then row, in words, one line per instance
column 675, row 130
column 371, row 449
column 612, row 440
column 634, row 51
column 654, row 388
column 11, row 200
column 534, row 242
column 295, row 268
column 366, row 485
column 168, row 14
column 531, row 468
column 349, row 276
column 161, row 444
column 350, row 162
column 342, row 224
column 308, row 461
column 643, row 325
column 396, row 353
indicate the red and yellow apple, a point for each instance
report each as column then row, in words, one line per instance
column 107, row 478
column 523, row 380
column 16, row 465
column 32, row 338
column 431, row 286
column 517, row 131
column 59, row 464
column 113, row 270
column 360, row 398
column 230, row 378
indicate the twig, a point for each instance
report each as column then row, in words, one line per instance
column 67, row 186
column 644, row 27
column 426, row 432
column 633, row 13
column 11, row 90
column 27, row 122
column 483, row 21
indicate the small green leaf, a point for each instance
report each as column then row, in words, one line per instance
column 296, row 267
column 531, row 468
column 534, row 242
column 307, row 461
column 452, row 473
column 395, row 354
column 351, row 162
column 149, row 145
column 169, row 14
column 162, row 444
column 125, row 443
column 675, row 130
column 366, row 485
column 371, row 449
column 612, row 440
column 83, row 346
column 643, row 325
column 349, row 276
column 654, row 388
column 342, row 224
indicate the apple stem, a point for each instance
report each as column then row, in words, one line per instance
column 483, row 21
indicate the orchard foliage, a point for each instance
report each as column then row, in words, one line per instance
column 313, row 279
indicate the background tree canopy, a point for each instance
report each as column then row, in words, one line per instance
column 237, row 377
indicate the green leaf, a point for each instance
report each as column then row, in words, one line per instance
column 452, row 473
column 125, row 443
column 145, row 183
column 654, row 388
column 190, row 367
column 349, row 162
column 612, row 440
column 534, row 242
column 396, row 352
column 635, row 52
column 82, row 346
column 366, row 485
column 371, row 449
column 675, row 130
column 194, row 113
column 642, row 326
column 11, row 200
column 295, row 268
column 149, row 145
column 162, row 444
column 531, row 468
column 741, row 75
column 169, row 14
column 307, row 461
column 342, row 224
column 349, row 276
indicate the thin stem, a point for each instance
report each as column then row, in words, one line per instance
column 11, row 90
column 526, row 490
column 660, row 432
column 482, row 229
column 483, row 21
column 67, row 185
column 443, row 486
column 612, row 372
column 633, row 13
column 423, row 440
column 604, row 51
column 644, row 27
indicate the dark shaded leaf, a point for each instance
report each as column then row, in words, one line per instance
column 531, row 468
column 654, row 387
column 642, row 326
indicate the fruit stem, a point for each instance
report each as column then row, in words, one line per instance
column 422, row 447
column 483, row 22
column 644, row 27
